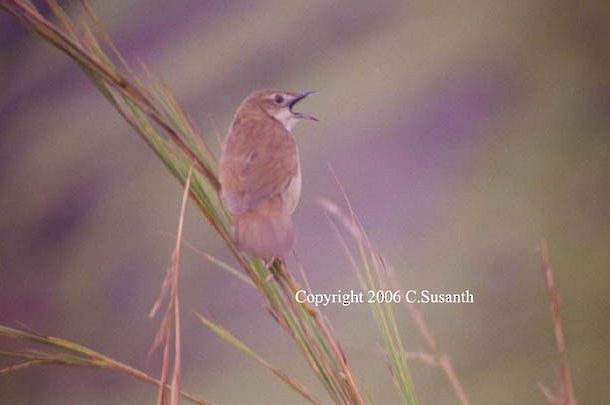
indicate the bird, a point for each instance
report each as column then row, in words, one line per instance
column 260, row 174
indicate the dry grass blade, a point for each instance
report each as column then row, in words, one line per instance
column 440, row 359
column 170, row 293
column 230, row 338
column 68, row 353
column 566, row 394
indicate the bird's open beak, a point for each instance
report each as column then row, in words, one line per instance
column 295, row 100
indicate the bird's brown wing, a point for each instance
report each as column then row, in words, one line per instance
column 258, row 170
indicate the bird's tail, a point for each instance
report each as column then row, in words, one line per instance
column 264, row 231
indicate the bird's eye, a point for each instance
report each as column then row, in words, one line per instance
column 278, row 99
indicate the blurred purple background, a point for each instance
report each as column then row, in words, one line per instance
column 463, row 133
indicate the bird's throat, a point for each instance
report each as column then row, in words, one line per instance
column 286, row 118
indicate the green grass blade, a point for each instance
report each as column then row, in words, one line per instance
column 242, row 347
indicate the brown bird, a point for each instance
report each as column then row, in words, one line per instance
column 260, row 175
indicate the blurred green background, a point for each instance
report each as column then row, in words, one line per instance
column 463, row 132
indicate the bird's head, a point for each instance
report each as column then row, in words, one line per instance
column 279, row 105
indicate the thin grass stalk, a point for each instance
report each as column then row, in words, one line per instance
column 566, row 392
column 176, row 373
